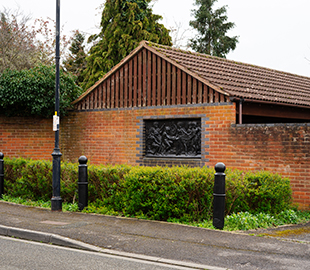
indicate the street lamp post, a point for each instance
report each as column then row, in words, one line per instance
column 56, row 200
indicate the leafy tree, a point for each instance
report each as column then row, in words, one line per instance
column 32, row 92
column 45, row 41
column 76, row 61
column 212, row 27
column 25, row 44
column 17, row 42
column 124, row 24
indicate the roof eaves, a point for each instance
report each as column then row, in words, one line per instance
column 263, row 101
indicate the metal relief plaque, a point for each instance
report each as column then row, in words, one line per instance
column 173, row 138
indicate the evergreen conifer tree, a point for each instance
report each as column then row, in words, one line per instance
column 76, row 61
column 212, row 27
column 124, row 24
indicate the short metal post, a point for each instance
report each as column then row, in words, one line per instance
column 1, row 175
column 82, row 183
column 219, row 196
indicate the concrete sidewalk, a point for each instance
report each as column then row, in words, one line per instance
column 191, row 247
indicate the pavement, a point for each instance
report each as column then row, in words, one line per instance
column 286, row 247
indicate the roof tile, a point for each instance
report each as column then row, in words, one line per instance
column 242, row 80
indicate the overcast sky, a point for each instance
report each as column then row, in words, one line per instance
column 272, row 33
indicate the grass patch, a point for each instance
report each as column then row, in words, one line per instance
column 66, row 207
column 234, row 222
column 247, row 221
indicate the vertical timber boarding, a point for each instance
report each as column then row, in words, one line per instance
column 148, row 80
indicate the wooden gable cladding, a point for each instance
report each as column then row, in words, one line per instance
column 147, row 79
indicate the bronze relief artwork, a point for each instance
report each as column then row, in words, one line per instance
column 173, row 138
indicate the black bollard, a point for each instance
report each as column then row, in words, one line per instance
column 82, row 183
column 1, row 175
column 219, row 196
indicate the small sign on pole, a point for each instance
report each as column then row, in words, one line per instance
column 55, row 122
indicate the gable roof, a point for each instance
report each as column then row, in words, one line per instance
column 233, row 79
column 243, row 80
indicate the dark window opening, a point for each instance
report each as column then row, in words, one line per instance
column 253, row 119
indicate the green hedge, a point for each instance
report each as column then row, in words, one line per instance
column 159, row 193
column 32, row 92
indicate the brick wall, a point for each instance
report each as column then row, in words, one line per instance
column 115, row 136
column 26, row 137
column 279, row 148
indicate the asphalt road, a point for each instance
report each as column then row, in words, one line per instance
column 21, row 254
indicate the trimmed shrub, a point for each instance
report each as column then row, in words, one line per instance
column 267, row 192
column 166, row 193
column 104, row 183
column 159, row 193
column 257, row 192
column 32, row 91
column 32, row 179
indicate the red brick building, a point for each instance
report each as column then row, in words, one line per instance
column 165, row 106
